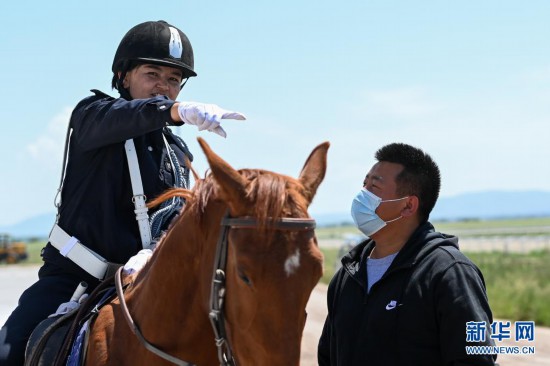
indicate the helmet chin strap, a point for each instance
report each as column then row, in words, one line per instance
column 183, row 83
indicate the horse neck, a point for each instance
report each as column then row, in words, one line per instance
column 174, row 288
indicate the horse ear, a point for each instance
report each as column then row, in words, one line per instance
column 232, row 184
column 314, row 170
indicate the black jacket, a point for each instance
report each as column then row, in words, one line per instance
column 96, row 201
column 415, row 315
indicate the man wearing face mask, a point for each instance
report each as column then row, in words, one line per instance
column 405, row 295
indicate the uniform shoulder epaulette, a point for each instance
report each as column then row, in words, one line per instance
column 101, row 94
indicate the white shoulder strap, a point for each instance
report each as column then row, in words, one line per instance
column 139, row 197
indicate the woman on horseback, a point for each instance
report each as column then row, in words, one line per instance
column 119, row 152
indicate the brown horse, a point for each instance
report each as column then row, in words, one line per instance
column 272, row 265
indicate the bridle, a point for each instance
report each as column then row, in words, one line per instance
column 217, row 294
column 217, row 289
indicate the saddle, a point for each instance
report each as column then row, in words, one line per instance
column 51, row 341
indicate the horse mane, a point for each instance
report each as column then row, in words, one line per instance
column 275, row 195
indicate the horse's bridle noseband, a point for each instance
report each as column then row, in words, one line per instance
column 217, row 293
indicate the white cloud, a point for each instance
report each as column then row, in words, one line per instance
column 46, row 150
column 31, row 175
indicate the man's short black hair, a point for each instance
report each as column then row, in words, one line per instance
column 420, row 176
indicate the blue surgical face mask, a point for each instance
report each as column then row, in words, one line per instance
column 363, row 212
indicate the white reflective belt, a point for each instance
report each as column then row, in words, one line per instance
column 70, row 247
column 139, row 198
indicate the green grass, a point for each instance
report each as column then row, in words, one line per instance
column 504, row 227
column 518, row 285
column 463, row 228
column 484, row 224
column 331, row 256
column 34, row 248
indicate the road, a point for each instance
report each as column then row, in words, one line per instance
column 15, row 278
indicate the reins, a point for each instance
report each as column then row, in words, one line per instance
column 135, row 328
column 217, row 294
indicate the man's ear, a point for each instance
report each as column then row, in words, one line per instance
column 412, row 206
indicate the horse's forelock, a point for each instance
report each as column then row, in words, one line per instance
column 275, row 194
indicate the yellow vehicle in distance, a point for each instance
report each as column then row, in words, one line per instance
column 12, row 251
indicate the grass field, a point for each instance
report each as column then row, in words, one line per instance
column 465, row 228
column 34, row 249
column 518, row 285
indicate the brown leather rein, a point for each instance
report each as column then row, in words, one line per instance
column 217, row 294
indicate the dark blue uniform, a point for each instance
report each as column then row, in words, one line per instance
column 96, row 204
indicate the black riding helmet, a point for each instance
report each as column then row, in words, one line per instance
column 154, row 43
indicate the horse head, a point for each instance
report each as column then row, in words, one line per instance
column 271, row 269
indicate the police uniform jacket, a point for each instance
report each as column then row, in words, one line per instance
column 96, row 201
column 416, row 314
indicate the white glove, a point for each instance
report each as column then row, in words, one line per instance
column 137, row 262
column 65, row 308
column 206, row 116
column 74, row 303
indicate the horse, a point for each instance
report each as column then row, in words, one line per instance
column 229, row 281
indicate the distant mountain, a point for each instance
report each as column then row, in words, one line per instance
column 34, row 227
column 493, row 204
column 478, row 205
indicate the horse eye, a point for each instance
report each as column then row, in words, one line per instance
column 245, row 279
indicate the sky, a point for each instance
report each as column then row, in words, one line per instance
column 466, row 81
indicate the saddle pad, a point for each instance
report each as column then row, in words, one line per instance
column 78, row 350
